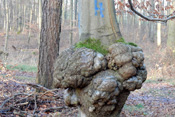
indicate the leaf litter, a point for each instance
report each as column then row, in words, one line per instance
column 19, row 98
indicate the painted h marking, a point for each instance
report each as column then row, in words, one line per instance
column 101, row 9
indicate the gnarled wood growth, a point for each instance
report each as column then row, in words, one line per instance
column 99, row 85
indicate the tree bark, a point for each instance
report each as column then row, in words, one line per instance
column 171, row 33
column 71, row 23
column 66, row 8
column 158, row 34
column 63, row 12
column 98, row 20
column 30, row 26
column 40, row 15
column 7, row 28
column 4, row 6
column 159, row 40
column 49, row 41
column 20, row 17
column 24, row 19
column 75, row 14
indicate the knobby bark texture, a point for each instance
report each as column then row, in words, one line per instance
column 97, row 20
column 99, row 85
column 49, row 41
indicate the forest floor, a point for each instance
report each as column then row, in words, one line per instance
column 155, row 99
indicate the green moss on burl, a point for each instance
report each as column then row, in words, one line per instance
column 122, row 40
column 92, row 44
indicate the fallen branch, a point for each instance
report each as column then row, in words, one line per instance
column 35, row 98
column 7, row 100
column 37, row 86
column 19, row 104
column 52, row 109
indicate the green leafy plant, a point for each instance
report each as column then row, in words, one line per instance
column 122, row 40
column 92, row 44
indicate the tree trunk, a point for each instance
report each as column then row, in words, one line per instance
column 98, row 20
column 158, row 34
column 49, row 41
column 152, row 24
column 10, row 15
column 63, row 12
column 7, row 28
column 20, row 17
column 24, row 21
column 66, row 7
column 75, row 14
column 40, row 17
column 171, row 33
column 71, row 23
column 99, row 84
column 4, row 6
column 30, row 23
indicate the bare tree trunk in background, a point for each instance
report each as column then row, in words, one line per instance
column 66, row 7
column 20, row 17
column 13, row 17
column 7, row 31
column 1, row 14
column 4, row 6
column 35, row 11
column 99, row 23
column 24, row 19
column 122, row 17
column 158, row 34
column 16, row 10
column 30, row 23
column 10, row 15
column 171, row 33
column 152, row 24
column 40, row 18
column 49, row 41
column 159, row 25
column 71, row 22
column 75, row 10
column 63, row 12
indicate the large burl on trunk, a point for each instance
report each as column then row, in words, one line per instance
column 99, row 85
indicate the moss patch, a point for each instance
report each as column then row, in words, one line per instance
column 122, row 40
column 26, row 68
column 132, row 108
column 92, row 44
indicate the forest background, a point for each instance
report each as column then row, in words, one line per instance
column 20, row 25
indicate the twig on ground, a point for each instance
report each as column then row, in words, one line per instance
column 7, row 100
column 37, row 86
column 35, row 99
column 52, row 109
column 20, row 103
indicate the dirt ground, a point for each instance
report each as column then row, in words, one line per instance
column 155, row 99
